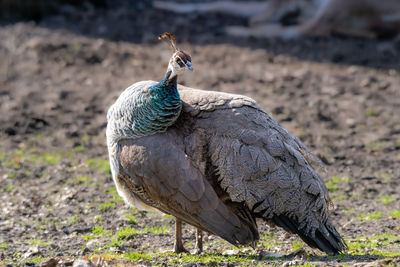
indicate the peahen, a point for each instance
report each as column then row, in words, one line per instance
column 216, row 161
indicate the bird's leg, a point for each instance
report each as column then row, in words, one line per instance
column 199, row 241
column 178, row 246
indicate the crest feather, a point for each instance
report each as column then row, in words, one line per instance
column 170, row 38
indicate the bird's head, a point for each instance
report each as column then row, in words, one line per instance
column 180, row 60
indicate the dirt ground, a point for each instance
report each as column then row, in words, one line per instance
column 59, row 75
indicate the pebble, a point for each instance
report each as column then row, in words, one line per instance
column 52, row 262
column 82, row 263
column 32, row 251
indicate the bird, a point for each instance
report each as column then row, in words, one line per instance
column 216, row 161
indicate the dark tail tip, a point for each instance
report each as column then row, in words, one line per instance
column 325, row 238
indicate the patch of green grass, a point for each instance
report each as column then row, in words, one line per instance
column 339, row 197
column 100, row 231
column 156, row 230
column 136, row 256
column 28, row 173
column 97, row 218
column 210, row 259
column 370, row 216
column 100, row 165
column 115, row 197
column 107, row 205
column 168, row 216
column 371, row 112
column 3, row 156
column 74, row 218
column 44, row 174
column 131, row 219
column 395, row 214
column 398, row 157
column 39, row 242
column 12, row 163
column 114, row 243
column 16, row 255
column 85, row 138
column 113, row 202
column 81, row 179
column 386, row 199
column 385, row 176
column 374, row 245
column 97, row 231
column 3, row 246
column 105, row 257
column 45, row 158
column 8, row 189
column 269, row 241
column 36, row 259
column 79, row 148
column 376, row 146
column 297, row 244
column 188, row 243
column 12, row 175
column 127, row 233
column 332, row 183
column 133, row 209
column 349, row 211
column 88, row 237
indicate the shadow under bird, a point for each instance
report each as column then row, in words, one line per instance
column 216, row 161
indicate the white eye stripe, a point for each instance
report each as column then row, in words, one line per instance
column 180, row 59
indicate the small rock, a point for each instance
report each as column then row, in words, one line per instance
column 230, row 252
column 52, row 262
column 32, row 251
column 299, row 255
column 263, row 254
column 10, row 131
column 91, row 244
column 82, row 263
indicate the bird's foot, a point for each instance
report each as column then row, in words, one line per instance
column 180, row 249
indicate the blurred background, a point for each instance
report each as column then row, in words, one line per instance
column 64, row 62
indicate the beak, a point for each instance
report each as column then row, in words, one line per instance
column 189, row 66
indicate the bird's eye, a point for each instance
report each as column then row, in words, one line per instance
column 180, row 62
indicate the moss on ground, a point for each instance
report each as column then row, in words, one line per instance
column 131, row 219
column 99, row 165
column 395, row 214
column 374, row 245
column 386, row 199
column 335, row 180
column 370, row 216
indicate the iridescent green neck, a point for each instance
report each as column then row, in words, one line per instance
column 143, row 110
column 167, row 87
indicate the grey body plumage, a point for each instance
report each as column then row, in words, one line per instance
column 216, row 161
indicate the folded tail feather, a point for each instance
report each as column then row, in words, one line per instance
column 325, row 238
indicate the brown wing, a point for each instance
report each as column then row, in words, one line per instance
column 158, row 172
column 258, row 161
column 262, row 165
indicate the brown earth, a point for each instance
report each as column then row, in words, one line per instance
column 58, row 77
